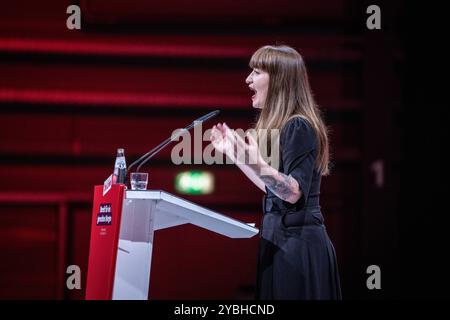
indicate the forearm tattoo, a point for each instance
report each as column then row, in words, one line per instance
column 283, row 186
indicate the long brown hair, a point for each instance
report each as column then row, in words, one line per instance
column 289, row 95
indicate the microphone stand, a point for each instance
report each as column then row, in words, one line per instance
column 146, row 157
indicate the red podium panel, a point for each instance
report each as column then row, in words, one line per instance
column 105, row 227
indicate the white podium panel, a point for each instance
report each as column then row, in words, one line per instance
column 144, row 212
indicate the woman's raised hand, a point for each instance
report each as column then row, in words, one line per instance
column 221, row 141
column 234, row 146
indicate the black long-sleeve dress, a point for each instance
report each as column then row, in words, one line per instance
column 296, row 257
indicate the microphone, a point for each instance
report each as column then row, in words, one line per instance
column 208, row 116
column 146, row 157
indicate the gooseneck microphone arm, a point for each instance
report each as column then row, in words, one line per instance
column 146, row 157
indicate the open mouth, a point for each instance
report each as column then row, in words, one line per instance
column 254, row 93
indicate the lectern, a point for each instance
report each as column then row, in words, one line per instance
column 123, row 225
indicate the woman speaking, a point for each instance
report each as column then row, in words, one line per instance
column 296, row 257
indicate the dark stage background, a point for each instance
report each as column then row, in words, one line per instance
column 139, row 69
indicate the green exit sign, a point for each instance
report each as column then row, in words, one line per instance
column 194, row 182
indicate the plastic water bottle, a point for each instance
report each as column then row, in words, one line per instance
column 120, row 167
